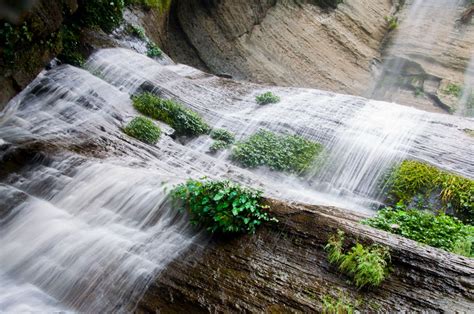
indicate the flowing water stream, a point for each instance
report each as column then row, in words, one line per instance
column 86, row 223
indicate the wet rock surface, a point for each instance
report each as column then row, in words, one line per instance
column 284, row 268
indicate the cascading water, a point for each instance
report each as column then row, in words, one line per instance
column 86, row 223
column 416, row 43
column 466, row 103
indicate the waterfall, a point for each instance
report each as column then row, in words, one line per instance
column 417, row 42
column 466, row 103
column 85, row 221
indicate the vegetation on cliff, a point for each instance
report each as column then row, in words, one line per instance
column 439, row 231
column 290, row 153
column 221, row 206
column 181, row 119
column 417, row 184
column 366, row 265
column 222, row 139
column 267, row 98
column 143, row 129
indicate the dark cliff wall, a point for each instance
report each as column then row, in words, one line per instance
column 30, row 43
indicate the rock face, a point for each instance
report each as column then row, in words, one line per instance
column 430, row 50
column 42, row 22
column 288, row 43
column 284, row 268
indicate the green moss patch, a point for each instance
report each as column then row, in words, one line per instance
column 441, row 231
column 427, row 186
column 290, row 153
column 221, row 206
column 183, row 120
column 143, row 129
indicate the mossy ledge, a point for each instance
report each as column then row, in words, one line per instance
column 419, row 185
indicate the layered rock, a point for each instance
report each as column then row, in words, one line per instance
column 284, row 268
column 292, row 43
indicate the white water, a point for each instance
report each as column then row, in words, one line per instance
column 420, row 37
column 466, row 103
column 88, row 232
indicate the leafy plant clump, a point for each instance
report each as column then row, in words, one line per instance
column 368, row 266
column 160, row 5
column 223, row 135
column 153, row 51
column 416, row 181
column 105, row 14
column 222, row 206
column 291, row 153
column 137, row 31
column 183, row 120
column 218, row 145
column 453, row 89
column 267, row 98
column 223, row 139
column 143, row 129
column 338, row 305
column 392, row 22
column 439, row 231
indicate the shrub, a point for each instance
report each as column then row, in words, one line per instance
column 137, row 31
column 71, row 52
column 153, row 51
column 184, row 121
column 291, row 153
column 392, row 22
column 453, row 89
column 367, row 266
column 439, row 231
column 340, row 305
column 222, row 206
column 103, row 13
column 267, row 98
column 143, row 129
column 218, row 145
column 416, row 180
column 223, row 135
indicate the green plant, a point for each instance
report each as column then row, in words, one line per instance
column 367, row 266
column 218, row 145
column 71, row 52
column 291, row 153
column 221, row 206
column 183, row 120
column 392, row 22
column 413, row 180
column 267, row 98
column 161, row 5
column 12, row 39
column 143, row 129
column 419, row 92
column 439, row 231
column 103, row 13
column 153, row 51
column 137, row 31
column 453, row 89
column 223, row 135
column 342, row 304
